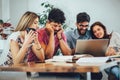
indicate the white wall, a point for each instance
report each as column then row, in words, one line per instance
column 4, row 10
column 0, row 9
column 17, row 9
column 106, row 11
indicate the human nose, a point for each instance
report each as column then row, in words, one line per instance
column 57, row 28
column 97, row 32
column 84, row 28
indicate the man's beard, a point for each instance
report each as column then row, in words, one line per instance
column 55, row 32
column 82, row 31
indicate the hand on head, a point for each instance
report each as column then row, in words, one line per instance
column 59, row 33
column 49, row 28
column 54, row 28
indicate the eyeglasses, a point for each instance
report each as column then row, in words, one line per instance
column 83, row 25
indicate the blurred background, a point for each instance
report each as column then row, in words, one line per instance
column 106, row 11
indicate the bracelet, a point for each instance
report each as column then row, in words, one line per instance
column 59, row 38
column 39, row 48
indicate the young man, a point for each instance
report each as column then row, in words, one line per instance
column 51, row 36
column 81, row 32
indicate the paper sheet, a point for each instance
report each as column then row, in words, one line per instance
column 59, row 59
column 92, row 60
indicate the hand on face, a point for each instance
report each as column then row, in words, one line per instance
column 29, row 37
column 49, row 28
column 110, row 52
column 59, row 33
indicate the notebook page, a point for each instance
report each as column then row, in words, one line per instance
column 92, row 60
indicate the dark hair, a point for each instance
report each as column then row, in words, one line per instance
column 106, row 35
column 82, row 17
column 56, row 15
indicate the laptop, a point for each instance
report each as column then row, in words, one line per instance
column 94, row 47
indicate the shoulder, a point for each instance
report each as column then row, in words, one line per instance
column 41, row 31
column 14, row 35
column 70, row 32
column 88, row 32
column 115, row 34
column 42, row 35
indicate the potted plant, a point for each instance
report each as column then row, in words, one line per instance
column 43, row 17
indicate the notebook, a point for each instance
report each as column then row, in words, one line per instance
column 94, row 60
column 94, row 47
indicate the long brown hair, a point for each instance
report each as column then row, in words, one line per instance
column 26, row 20
column 106, row 35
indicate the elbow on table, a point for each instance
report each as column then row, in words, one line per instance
column 16, row 63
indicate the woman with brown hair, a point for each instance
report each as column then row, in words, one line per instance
column 22, row 44
column 99, row 31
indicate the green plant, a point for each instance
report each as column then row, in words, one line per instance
column 43, row 16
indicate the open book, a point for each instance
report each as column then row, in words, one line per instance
column 60, row 59
column 93, row 60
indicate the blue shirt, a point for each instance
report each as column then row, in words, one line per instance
column 73, row 35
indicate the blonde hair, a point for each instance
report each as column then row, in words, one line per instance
column 26, row 20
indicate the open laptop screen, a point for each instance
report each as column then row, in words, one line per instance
column 95, row 47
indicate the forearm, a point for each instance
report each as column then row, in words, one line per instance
column 65, row 48
column 49, row 51
column 20, row 55
column 38, row 51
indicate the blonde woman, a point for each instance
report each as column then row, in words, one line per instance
column 23, row 42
